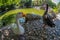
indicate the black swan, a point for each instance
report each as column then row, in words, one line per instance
column 47, row 20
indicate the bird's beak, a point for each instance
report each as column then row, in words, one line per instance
column 24, row 15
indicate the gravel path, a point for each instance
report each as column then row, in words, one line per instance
column 35, row 31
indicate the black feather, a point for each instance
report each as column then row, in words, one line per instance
column 47, row 19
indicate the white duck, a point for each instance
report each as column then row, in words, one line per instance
column 20, row 19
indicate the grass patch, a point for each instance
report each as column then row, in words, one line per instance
column 9, row 17
column 27, row 10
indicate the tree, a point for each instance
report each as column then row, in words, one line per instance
column 28, row 3
column 49, row 2
column 36, row 2
column 58, row 6
column 6, row 5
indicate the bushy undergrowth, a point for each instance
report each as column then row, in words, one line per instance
column 8, row 20
column 10, row 16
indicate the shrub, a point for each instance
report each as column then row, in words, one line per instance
column 8, row 19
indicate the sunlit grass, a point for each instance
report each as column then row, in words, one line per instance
column 55, row 10
column 9, row 18
column 25, row 11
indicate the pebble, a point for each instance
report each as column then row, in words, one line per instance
column 38, row 33
column 35, row 31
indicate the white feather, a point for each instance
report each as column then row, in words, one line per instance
column 21, row 29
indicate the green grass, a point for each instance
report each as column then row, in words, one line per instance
column 9, row 17
column 27, row 10
column 55, row 10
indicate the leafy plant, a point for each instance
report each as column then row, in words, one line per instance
column 8, row 19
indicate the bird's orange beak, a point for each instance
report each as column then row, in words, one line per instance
column 24, row 15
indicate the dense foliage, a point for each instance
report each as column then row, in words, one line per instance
column 58, row 6
column 51, row 4
column 8, row 20
column 9, row 2
column 7, row 5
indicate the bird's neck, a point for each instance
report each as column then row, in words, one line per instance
column 46, row 10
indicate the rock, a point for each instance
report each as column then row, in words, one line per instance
column 32, row 17
column 35, row 31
